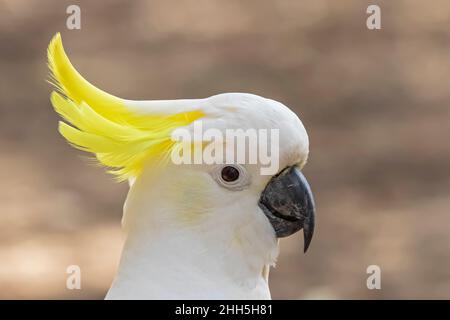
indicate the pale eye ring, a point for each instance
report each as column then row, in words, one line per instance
column 231, row 176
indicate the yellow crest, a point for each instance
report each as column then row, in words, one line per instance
column 100, row 123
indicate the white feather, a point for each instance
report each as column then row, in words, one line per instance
column 188, row 237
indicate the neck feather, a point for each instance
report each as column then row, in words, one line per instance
column 224, row 256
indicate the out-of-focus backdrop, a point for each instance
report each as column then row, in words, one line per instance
column 376, row 105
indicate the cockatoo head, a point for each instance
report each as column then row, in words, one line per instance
column 216, row 178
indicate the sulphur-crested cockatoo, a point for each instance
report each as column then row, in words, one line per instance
column 193, row 231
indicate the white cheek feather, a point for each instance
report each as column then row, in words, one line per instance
column 216, row 242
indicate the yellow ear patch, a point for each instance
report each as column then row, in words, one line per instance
column 121, row 139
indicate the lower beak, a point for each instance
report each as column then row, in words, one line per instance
column 288, row 203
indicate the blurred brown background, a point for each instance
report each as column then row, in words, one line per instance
column 375, row 104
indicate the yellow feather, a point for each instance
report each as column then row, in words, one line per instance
column 101, row 124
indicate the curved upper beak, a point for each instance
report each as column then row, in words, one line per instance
column 288, row 203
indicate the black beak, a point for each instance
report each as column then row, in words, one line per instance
column 288, row 203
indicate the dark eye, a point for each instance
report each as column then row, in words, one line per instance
column 230, row 174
